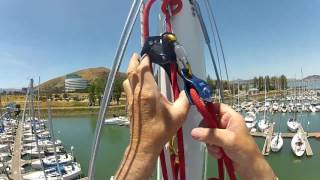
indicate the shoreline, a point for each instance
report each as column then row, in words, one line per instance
column 72, row 111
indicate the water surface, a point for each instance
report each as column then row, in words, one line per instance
column 78, row 131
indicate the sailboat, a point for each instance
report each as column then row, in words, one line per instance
column 50, row 161
column 277, row 141
column 238, row 107
column 263, row 124
column 298, row 144
column 250, row 119
column 68, row 172
column 292, row 123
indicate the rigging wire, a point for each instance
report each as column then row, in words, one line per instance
column 207, row 41
column 214, row 40
column 216, row 48
column 208, row 4
column 125, row 35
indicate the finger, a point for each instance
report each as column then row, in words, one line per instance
column 133, row 64
column 213, row 148
column 145, row 74
column 216, row 154
column 132, row 71
column 225, row 115
column 219, row 137
column 128, row 90
column 225, row 120
column 179, row 109
column 221, row 108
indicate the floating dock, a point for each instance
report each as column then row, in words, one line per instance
column 16, row 155
column 268, row 136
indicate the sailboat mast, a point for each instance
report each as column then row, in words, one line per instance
column 265, row 98
column 238, row 94
column 186, row 26
column 53, row 139
column 34, row 124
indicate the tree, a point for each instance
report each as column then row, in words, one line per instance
column 273, row 83
column 92, row 95
column 65, row 96
column 283, row 82
column 260, row 83
column 268, row 86
column 99, row 88
column 117, row 90
column 255, row 82
column 211, row 82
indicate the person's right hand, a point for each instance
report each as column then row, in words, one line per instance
column 235, row 140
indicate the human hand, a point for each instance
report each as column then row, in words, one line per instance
column 153, row 119
column 237, row 143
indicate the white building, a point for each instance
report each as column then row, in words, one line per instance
column 74, row 82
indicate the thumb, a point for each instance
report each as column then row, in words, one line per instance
column 219, row 137
column 179, row 109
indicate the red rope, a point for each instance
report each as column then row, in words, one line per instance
column 174, row 6
column 175, row 89
column 209, row 111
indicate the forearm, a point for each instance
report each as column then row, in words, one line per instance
column 136, row 165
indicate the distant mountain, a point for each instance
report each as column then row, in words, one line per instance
column 90, row 74
column 312, row 77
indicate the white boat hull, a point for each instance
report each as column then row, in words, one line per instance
column 276, row 143
column 298, row 145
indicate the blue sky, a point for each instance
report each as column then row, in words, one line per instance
column 52, row 38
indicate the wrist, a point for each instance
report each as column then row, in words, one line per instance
column 257, row 168
column 137, row 164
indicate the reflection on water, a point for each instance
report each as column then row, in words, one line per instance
column 79, row 132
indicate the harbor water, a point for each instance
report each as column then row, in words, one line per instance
column 78, row 131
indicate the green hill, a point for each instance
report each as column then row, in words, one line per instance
column 90, row 74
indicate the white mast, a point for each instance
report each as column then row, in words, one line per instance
column 188, row 31
column 265, row 98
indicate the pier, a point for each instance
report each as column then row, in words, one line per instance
column 16, row 155
column 268, row 136
column 267, row 142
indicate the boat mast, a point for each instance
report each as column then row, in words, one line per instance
column 265, row 98
column 186, row 26
column 38, row 99
column 34, row 124
column 53, row 139
column 238, row 94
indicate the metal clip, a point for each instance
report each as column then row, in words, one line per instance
column 202, row 87
column 160, row 49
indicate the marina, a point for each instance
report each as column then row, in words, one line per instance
column 97, row 116
column 34, row 153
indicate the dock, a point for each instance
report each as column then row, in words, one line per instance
column 267, row 143
column 16, row 155
column 308, row 147
column 268, row 136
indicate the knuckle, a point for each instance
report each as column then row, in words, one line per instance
column 132, row 74
column 147, row 95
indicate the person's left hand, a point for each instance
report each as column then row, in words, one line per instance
column 154, row 120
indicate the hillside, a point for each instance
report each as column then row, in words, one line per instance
column 90, row 74
column 312, row 77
